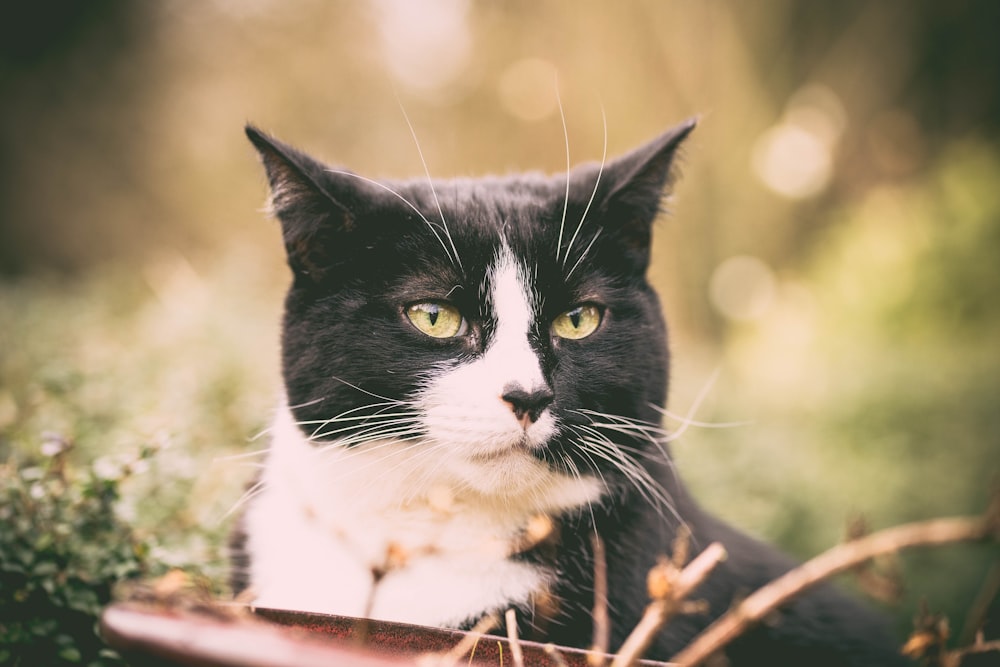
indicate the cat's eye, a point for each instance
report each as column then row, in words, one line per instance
column 577, row 323
column 436, row 319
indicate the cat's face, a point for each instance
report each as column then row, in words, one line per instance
column 503, row 329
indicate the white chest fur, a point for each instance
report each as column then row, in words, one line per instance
column 358, row 532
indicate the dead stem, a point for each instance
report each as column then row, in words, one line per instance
column 513, row 639
column 467, row 644
column 602, row 625
column 838, row 559
column 673, row 586
column 553, row 652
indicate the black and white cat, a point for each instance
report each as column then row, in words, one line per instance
column 470, row 365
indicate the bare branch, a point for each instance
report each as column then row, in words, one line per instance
column 602, row 625
column 553, row 652
column 468, row 643
column 513, row 639
column 678, row 586
column 838, row 559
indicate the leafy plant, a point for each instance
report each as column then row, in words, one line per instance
column 63, row 549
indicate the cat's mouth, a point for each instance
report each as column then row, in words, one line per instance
column 520, row 447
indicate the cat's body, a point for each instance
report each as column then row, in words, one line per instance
column 475, row 372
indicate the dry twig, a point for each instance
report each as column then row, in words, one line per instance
column 838, row 559
column 513, row 639
column 468, row 643
column 553, row 652
column 602, row 625
column 669, row 600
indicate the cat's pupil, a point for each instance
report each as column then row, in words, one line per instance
column 575, row 316
column 432, row 314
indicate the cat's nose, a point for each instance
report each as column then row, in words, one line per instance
column 527, row 406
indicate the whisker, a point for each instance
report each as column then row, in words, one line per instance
column 700, row 424
column 699, row 399
column 415, row 441
column 404, row 200
column 378, row 416
column 596, row 468
column 343, row 415
column 372, row 432
column 255, row 490
column 584, row 254
column 365, row 391
column 592, row 430
column 575, row 471
column 364, row 420
column 651, row 490
column 562, row 116
column 430, row 181
column 638, row 424
column 244, row 455
column 361, row 433
column 600, row 171
column 306, row 404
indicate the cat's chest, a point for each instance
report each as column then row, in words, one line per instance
column 342, row 536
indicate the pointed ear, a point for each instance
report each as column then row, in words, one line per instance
column 311, row 218
column 636, row 187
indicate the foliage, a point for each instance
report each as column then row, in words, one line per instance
column 63, row 549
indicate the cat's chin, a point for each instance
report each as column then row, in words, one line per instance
column 521, row 447
column 515, row 473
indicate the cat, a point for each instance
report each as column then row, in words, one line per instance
column 475, row 373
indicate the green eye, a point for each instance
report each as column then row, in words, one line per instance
column 577, row 323
column 437, row 320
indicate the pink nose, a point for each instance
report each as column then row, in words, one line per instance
column 527, row 407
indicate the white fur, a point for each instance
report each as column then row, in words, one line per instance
column 446, row 510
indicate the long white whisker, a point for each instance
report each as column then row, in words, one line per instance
column 255, row 490
column 643, row 482
column 430, row 181
column 701, row 424
column 363, row 432
column 562, row 223
column 362, row 421
column 343, row 416
column 593, row 466
column 402, row 199
column 593, row 194
column 584, row 254
column 575, row 471
column 378, row 415
column 367, row 433
column 244, row 455
column 415, row 441
column 306, row 404
column 699, row 399
column 628, row 422
column 592, row 431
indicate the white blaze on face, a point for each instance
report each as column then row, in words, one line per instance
column 513, row 307
column 484, row 440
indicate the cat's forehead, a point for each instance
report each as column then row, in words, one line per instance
column 525, row 214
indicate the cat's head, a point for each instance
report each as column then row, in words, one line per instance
column 504, row 325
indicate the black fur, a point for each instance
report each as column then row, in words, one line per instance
column 359, row 253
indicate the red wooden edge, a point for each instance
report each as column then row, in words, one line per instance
column 154, row 635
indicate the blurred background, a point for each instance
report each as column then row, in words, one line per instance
column 830, row 268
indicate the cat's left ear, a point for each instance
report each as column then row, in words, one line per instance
column 636, row 186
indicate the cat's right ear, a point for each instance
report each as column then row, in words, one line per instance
column 313, row 220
